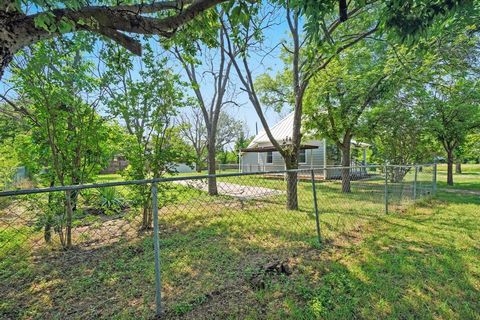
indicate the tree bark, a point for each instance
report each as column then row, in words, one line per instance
column 450, row 167
column 291, row 163
column 68, row 227
column 47, row 233
column 458, row 167
column 18, row 30
column 345, row 171
column 212, row 181
column 211, row 113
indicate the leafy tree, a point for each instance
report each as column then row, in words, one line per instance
column 447, row 93
column 194, row 130
column 472, row 148
column 147, row 106
column 303, row 59
column 452, row 112
column 208, row 70
column 399, row 136
column 339, row 101
column 12, row 129
column 59, row 98
column 8, row 163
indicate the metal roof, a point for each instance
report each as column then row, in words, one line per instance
column 282, row 132
column 272, row 148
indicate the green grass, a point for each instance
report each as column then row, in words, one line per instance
column 111, row 177
column 418, row 262
column 469, row 179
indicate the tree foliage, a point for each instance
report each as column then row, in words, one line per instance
column 147, row 106
column 59, row 98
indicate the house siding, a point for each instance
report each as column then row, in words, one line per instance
column 256, row 161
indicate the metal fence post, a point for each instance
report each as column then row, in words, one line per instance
column 434, row 176
column 315, row 205
column 386, row 189
column 156, row 245
column 415, row 183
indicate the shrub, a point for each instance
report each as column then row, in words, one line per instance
column 110, row 200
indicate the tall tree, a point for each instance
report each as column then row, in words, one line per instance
column 195, row 133
column 339, row 102
column 448, row 76
column 60, row 98
column 208, row 71
column 452, row 112
column 303, row 61
column 398, row 134
column 147, row 107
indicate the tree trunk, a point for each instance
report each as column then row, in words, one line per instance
column 147, row 215
column 458, row 167
column 47, row 233
column 346, row 188
column 68, row 227
column 212, row 181
column 450, row 168
column 198, row 165
column 292, row 192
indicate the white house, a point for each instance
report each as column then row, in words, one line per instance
column 261, row 155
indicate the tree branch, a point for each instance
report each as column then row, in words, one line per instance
column 18, row 30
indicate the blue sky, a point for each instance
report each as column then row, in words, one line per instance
column 272, row 64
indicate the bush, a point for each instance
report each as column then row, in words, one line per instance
column 110, row 200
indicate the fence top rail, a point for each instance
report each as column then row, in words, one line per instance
column 139, row 182
column 168, row 179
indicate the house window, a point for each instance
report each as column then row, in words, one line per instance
column 302, row 157
column 269, row 157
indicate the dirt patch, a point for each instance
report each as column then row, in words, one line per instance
column 271, row 269
column 221, row 303
column 233, row 190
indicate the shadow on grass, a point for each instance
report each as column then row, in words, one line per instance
column 404, row 279
column 422, row 264
column 416, row 265
column 203, row 262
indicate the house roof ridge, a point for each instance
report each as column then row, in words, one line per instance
column 262, row 135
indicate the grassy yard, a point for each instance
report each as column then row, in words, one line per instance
column 417, row 262
column 468, row 180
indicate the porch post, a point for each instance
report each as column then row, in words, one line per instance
column 311, row 158
column 365, row 160
column 240, row 169
column 325, row 159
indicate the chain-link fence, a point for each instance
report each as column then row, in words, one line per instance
column 89, row 251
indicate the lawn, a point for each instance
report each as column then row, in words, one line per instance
column 468, row 180
column 217, row 255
